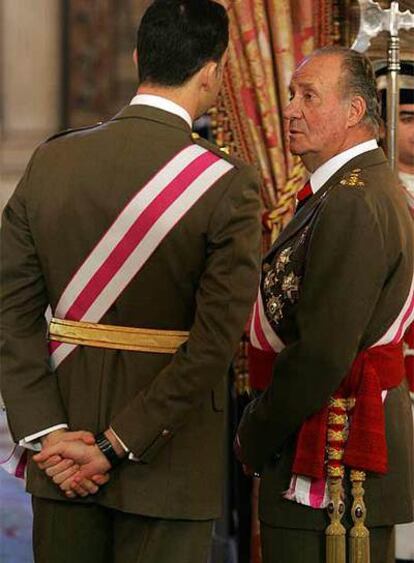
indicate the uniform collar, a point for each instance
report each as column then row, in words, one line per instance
column 364, row 159
column 164, row 104
column 328, row 169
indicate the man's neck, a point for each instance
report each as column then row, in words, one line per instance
column 180, row 96
column 320, row 176
column 313, row 161
column 406, row 168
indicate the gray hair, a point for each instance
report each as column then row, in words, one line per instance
column 358, row 79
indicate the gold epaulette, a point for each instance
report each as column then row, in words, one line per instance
column 195, row 136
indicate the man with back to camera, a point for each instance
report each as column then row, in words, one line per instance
column 336, row 296
column 146, row 244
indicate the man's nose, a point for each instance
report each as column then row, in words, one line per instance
column 291, row 111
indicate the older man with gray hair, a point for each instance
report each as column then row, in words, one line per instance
column 336, row 296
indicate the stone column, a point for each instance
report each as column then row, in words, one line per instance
column 30, row 85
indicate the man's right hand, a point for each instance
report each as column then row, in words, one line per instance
column 83, row 466
column 61, row 470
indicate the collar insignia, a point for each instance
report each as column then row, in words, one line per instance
column 352, row 179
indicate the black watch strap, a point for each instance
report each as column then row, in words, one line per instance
column 107, row 449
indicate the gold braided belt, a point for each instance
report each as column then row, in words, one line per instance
column 116, row 337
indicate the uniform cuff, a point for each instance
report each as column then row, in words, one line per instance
column 32, row 442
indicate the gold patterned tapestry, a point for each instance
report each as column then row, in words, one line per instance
column 99, row 40
column 268, row 39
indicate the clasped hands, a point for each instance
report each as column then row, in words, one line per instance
column 73, row 462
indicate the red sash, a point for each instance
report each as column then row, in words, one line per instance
column 374, row 370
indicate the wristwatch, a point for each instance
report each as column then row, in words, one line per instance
column 107, row 449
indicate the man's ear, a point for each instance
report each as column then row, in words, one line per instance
column 135, row 57
column 357, row 110
column 208, row 75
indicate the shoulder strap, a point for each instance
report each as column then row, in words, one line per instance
column 68, row 131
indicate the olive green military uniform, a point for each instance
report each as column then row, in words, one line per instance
column 350, row 250
column 168, row 410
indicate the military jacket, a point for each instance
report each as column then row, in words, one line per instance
column 169, row 410
column 332, row 284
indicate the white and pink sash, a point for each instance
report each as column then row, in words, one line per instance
column 128, row 243
column 134, row 236
column 302, row 489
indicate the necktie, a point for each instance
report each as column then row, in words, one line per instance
column 303, row 195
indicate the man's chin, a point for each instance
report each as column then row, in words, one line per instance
column 296, row 149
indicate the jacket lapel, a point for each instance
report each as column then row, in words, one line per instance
column 306, row 213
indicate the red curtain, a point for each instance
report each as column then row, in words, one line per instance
column 268, row 38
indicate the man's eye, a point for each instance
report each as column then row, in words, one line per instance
column 308, row 96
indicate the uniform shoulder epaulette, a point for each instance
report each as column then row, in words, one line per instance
column 68, row 131
column 353, row 179
column 223, row 152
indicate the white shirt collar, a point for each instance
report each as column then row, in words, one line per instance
column 408, row 181
column 328, row 169
column 162, row 103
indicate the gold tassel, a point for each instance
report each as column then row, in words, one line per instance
column 359, row 534
column 335, row 532
column 336, row 439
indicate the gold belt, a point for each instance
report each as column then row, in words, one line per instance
column 116, row 337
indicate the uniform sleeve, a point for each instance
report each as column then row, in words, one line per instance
column 224, row 299
column 28, row 386
column 344, row 275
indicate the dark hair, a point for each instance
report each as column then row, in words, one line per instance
column 177, row 38
column 358, row 79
